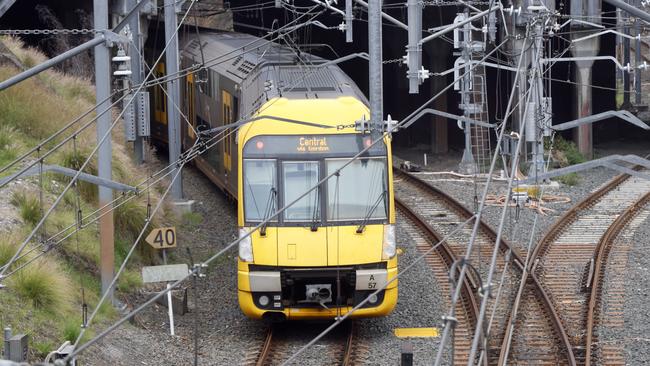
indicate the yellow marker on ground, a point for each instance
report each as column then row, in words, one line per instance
column 400, row 251
column 416, row 332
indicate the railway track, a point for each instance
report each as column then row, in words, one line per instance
column 283, row 340
column 441, row 261
column 569, row 262
column 547, row 343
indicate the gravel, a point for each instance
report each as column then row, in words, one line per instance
column 419, row 305
column 227, row 336
column 517, row 226
column 634, row 336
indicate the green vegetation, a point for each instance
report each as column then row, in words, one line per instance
column 44, row 298
column 29, row 207
column 192, row 220
column 43, row 285
column 565, row 153
column 570, row 179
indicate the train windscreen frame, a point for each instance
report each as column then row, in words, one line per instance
column 311, row 146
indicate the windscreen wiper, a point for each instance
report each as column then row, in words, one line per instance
column 369, row 214
column 270, row 206
column 315, row 213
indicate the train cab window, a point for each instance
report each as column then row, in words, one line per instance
column 260, row 189
column 359, row 191
column 298, row 177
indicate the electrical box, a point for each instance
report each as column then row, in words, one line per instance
column 19, row 348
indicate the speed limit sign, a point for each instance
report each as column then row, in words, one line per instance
column 162, row 238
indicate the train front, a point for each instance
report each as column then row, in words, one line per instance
column 334, row 246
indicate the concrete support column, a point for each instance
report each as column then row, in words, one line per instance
column 583, row 135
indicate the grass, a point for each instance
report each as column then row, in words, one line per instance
column 74, row 160
column 129, row 281
column 44, row 299
column 565, row 153
column 28, row 205
column 192, row 220
column 43, row 285
column 571, row 179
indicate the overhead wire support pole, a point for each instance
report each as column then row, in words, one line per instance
column 384, row 15
column 375, row 74
column 486, row 295
column 349, row 20
column 173, row 95
column 463, row 271
column 104, row 153
column 414, row 48
column 72, row 52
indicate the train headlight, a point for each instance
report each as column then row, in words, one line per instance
column 245, row 245
column 389, row 245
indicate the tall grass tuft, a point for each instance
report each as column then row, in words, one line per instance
column 44, row 285
column 129, row 219
column 29, row 207
column 74, row 160
column 9, row 145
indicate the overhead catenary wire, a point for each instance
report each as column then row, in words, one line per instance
column 189, row 153
column 264, row 222
column 85, row 164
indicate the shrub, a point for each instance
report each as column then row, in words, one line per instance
column 8, row 247
column 71, row 330
column 570, row 179
column 567, row 150
column 43, row 284
column 129, row 281
column 8, row 145
column 29, row 207
column 74, row 160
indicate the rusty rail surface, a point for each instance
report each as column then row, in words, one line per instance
column 275, row 349
column 468, row 305
column 602, row 255
column 549, row 319
column 565, row 258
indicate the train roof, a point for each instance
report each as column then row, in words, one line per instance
column 265, row 69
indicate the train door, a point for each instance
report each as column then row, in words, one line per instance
column 191, row 114
column 227, row 118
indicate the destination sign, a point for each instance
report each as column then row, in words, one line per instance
column 343, row 145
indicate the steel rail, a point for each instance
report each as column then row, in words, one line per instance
column 602, row 255
column 504, row 247
column 449, row 257
column 562, row 223
column 272, row 341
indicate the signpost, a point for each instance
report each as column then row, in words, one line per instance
column 165, row 273
column 162, row 238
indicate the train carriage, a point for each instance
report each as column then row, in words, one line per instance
column 332, row 248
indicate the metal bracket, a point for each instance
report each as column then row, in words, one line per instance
column 608, row 162
column 624, row 115
column 110, row 38
column 444, row 114
column 35, row 170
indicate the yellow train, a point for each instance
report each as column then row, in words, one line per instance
column 335, row 246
